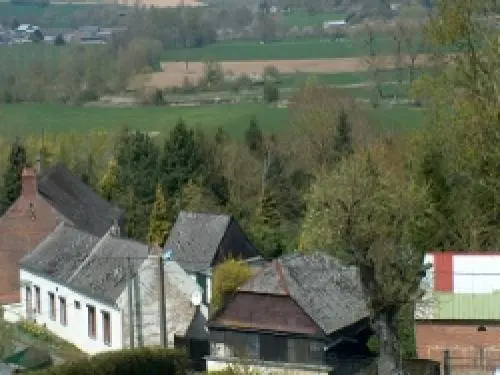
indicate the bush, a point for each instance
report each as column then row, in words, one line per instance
column 151, row 361
column 271, row 93
column 228, row 276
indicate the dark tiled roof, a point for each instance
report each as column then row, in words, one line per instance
column 77, row 202
column 104, row 273
column 79, row 260
column 60, row 254
column 330, row 293
column 195, row 238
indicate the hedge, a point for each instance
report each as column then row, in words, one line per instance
column 150, row 361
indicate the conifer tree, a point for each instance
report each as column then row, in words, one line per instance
column 12, row 176
column 159, row 223
column 253, row 137
column 343, row 139
column 108, row 185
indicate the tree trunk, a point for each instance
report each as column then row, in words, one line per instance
column 385, row 327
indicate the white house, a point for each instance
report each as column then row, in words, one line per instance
column 77, row 285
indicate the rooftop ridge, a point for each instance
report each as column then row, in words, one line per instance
column 281, row 277
column 96, row 248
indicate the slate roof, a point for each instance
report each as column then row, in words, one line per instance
column 330, row 293
column 90, row 265
column 195, row 238
column 76, row 201
column 60, row 254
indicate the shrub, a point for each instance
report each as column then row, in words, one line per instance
column 151, row 361
column 271, row 92
column 228, row 276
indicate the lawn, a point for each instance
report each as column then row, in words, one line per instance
column 26, row 119
column 303, row 19
column 311, row 48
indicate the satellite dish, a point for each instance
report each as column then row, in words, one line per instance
column 167, row 255
column 196, row 298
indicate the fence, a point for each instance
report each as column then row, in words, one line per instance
column 471, row 360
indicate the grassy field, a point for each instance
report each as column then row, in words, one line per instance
column 26, row 119
column 54, row 16
column 302, row 19
column 312, row 48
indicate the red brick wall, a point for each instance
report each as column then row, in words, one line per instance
column 469, row 348
column 22, row 228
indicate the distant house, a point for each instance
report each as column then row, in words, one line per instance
column 201, row 241
column 46, row 200
column 90, row 35
column 334, row 24
column 300, row 314
column 460, row 310
column 78, row 286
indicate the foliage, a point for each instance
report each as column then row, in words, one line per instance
column 6, row 337
column 254, row 139
column 11, row 187
column 271, row 92
column 159, row 223
column 125, row 362
column 108, row 185
column 371, row 216
column 45, row 336
column 227, row 277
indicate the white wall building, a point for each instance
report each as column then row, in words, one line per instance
column 76, row 285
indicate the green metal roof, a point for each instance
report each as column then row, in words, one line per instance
column 466, row 306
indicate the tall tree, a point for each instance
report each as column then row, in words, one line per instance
column 181, row 159
column 343, row 138
column 11, row 187
column 159, row 220
column 372, row 218
column 254, row 139
column 108, row 185
column 137, row 175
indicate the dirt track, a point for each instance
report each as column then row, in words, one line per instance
column 174, row 73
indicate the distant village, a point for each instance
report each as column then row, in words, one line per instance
column 27, row 33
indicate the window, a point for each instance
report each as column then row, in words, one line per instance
column 106, row 327
column 62, row 311
column 77, row 305
column 91, row 321
column 38, row 304
column 298, row 350
column 52, row 306
column 273, row 348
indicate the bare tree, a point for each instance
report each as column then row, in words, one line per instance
column 372, row 61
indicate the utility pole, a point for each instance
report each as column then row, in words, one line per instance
column 130, row 304
column 163, row 312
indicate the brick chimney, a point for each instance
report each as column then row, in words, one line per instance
column 28, row 183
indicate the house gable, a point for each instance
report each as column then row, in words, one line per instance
column 265, row 312
column 234, row 244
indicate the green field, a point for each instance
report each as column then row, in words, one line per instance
column 312, row 48
column 27, row 119
column 54, row 16
column 302, row 19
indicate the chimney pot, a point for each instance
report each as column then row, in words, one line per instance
column 28, row 183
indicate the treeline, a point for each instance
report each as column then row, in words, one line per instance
column 79, row 73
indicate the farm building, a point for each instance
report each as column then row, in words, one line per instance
column 460, row 311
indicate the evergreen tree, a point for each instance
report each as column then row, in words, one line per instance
column 12, row 176
column 159, row 223
column 182, row 158
column 343, row 138
column 254, row 138
column 108, row 185
column 196, row 198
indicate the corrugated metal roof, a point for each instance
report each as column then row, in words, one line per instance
column 464, row 306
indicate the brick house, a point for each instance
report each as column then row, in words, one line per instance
column 46, row 200
column 460, row 311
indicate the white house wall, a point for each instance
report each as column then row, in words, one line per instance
column 76, row 330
